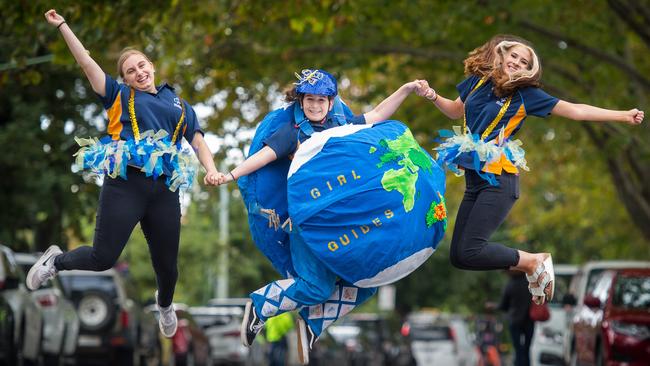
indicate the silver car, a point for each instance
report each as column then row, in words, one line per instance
column 546, row 348
column 222, row 327
column 27, row 317
column 440, row 339
column 60, row 320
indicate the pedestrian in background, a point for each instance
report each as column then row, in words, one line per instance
column 515, row 300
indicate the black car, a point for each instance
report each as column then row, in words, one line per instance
column 114, row 329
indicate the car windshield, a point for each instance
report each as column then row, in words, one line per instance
column 209, row 320
column 632, row 292
column 78, row 284
column 432, row 333
column 561, row 288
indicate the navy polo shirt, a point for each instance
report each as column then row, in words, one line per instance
column 482, row 106
column 160, row 111
column 284, row 141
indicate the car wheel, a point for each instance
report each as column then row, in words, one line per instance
column 96, row 310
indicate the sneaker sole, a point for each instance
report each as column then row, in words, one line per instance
column 48, row 253
column 303, row 347
column 244, row 322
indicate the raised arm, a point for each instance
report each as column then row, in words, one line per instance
column 253, row 163
column 388, row 106
column 585, row 112
column 93, row 72
column 453, row 109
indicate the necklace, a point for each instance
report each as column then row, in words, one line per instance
column 134, row 121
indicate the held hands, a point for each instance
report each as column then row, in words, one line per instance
column 212, row 178
column 53, row 18
column 634, row 117
column 422, row 89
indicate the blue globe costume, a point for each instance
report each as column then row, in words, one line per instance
column 357, row 207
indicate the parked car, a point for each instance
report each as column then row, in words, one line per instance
column 26, row 317
column 368, row 340
column 222, row 326
column 440, row 339
column 583, row 283
column 613, row 326
column 190, row 345
column 60, row 320
column 113, row 326
column 546, row 348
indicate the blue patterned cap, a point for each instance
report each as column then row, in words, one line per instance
column 317, row 82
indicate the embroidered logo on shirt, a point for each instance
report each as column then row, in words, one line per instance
column 177, row 103
column 501, row 101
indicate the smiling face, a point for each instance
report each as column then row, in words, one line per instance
column 516, row 58
column 138, row 72
column 316, row 107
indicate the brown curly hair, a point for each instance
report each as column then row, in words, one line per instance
column 487, row 60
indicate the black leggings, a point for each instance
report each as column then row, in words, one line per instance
column 482, row 211
column 122, row 204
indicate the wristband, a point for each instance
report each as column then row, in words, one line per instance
column 60, row 24
column 233, row 177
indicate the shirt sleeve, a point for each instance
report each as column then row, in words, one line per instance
column 284, row 141
column 465, row 86
column 112, row 91
column 537, row 102
column 191, row 123
column 357, row 120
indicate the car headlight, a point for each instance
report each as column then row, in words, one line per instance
column 639, row 331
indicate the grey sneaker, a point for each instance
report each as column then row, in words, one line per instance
column 43, row 269
column 167, row 321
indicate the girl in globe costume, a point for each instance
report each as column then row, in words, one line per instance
column 501, row 90
column 310, row 287
column 146, row 124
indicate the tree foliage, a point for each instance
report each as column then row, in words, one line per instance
column 587, row 196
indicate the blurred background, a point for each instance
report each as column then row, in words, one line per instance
column 586, row 198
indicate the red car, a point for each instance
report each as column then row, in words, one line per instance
column 612, row 327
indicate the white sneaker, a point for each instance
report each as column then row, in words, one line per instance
column 167, row 320
column 43, row 269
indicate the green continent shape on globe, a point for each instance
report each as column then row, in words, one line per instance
column 409, row 155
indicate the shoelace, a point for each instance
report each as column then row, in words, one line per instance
column 49, row 272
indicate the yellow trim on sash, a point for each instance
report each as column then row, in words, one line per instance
column 114, row 114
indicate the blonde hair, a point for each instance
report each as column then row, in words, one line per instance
column 125, row 54
column 487, row 61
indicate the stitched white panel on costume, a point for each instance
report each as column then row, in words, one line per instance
column 316, row 311
column 274, row 293
column 284, row 284
column 331, row 310
column 349, row 294
column 335, row 295
column 288, row 304
column 261, row 291
column 269, row 309
column 317, row 141
column 345, row 308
